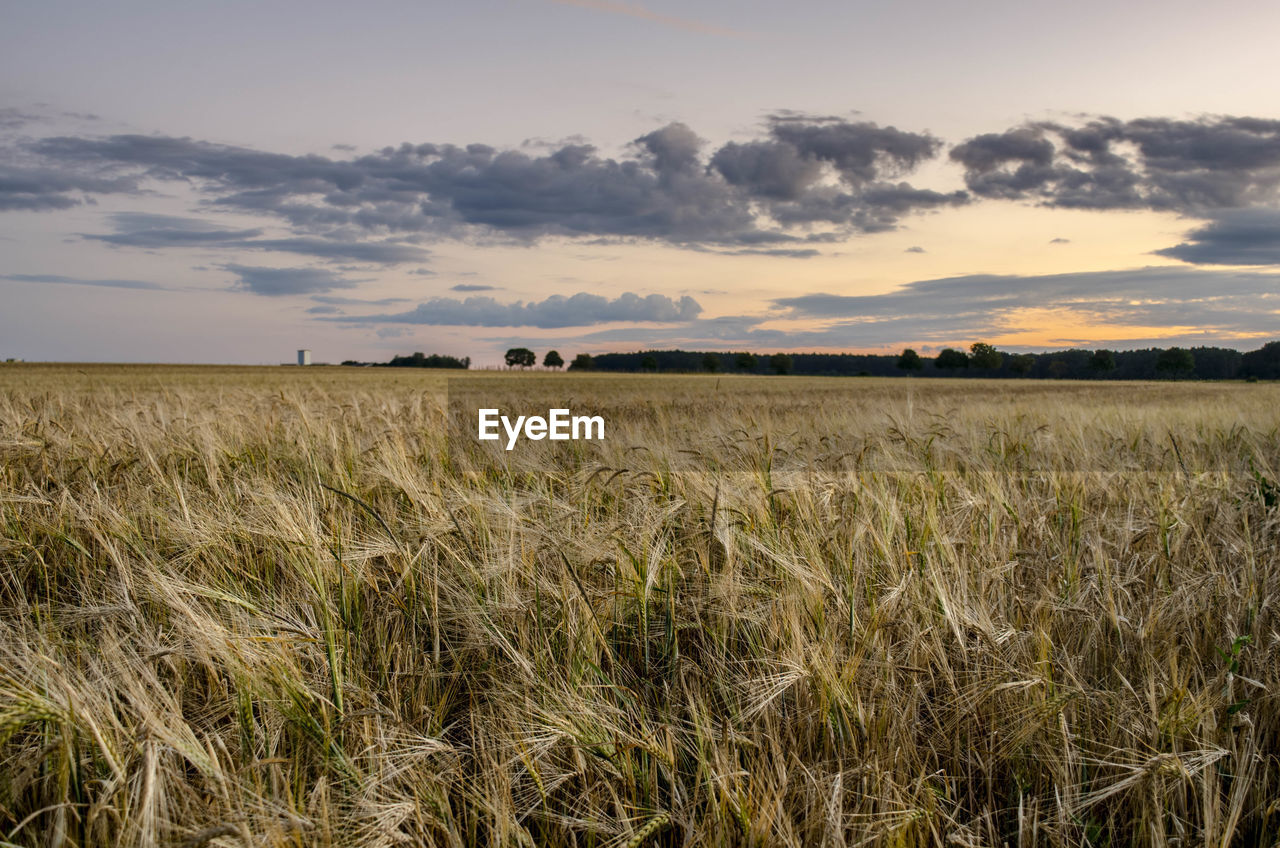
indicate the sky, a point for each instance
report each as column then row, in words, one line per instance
column 228, row 182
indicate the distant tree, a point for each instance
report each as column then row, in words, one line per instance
column 711, row 363
column 1263, row 364
column 780, row 363
column 744, row 362
column 553, row 359
column 1102, row 362
column 582, row 362
column 649, row 363
column 435, row 360
column 1059, row 367
column 521, row 357
column 1217, row 363
column 1021, row 363
column 909, row 360
column 950, row 358
column 1175, row 362
column 983, row 355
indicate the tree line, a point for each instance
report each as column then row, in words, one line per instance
column 522, row 357
column 980, row 360
column 417, row 360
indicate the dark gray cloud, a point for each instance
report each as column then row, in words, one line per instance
column 12, row 117
column 836, row 173
column 1151, row 163
column 55, row 279
column 41, row 189
column 1226, row 308
column 891, row 199
column 1232, row 237
column 18, row 117
column 579, row 310
column 472, row 287
column 138, row 229
column 914, row 249
column 275, row 282
column 1026, row 146
column 802, row 182
column 673, row 148
column 324, row 309
column 872, row 209
column 1158, row 296
column 1059, row 241
column 769, row 169
column 789, row 173
column 862, row 152
column 135, row 229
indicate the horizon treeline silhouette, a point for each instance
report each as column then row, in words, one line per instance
column 981, row 360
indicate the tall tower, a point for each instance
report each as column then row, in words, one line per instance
column 304, row 357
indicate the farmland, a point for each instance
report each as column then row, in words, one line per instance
column 274, row 606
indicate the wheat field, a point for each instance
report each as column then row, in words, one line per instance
column 274, row 606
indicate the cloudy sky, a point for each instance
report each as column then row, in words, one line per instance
column 226, row 182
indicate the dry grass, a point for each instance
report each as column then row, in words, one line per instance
column 900, row 613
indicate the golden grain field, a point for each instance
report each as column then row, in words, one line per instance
column 271, row 606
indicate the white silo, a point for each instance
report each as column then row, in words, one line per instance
column 304, row 357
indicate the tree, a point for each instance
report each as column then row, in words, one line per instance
column 1175, row 362
column 553, row 359
column 780, row 363
column 1021, row 363
column 909, row 360
column 983, row 355
column 421, row 360
column 1263, row 364
column 949, row 358
column 1217, row 363
column 1102, row 362
column 649, row 363
column 744, row 362
column 711, row 363
column 522, row 357
column 582, row 362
